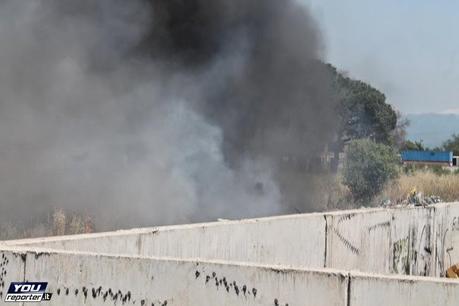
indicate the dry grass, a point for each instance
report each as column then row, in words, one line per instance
column 58, row 222
column 313, row 192
column 428, row 183
column 321, row 192
column 331, row 194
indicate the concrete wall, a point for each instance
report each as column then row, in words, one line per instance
column 89, row 279
column 76, row 278
column 265, row 240
column 414, row 241
column 390, row 241
column 358, row 240
column 446, row 236
column 11, row 270
column 297, row 241
column 372, row 290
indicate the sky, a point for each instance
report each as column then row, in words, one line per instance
column 408, row 49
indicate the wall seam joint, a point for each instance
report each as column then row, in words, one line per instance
column 326, row 241
column 348, row 297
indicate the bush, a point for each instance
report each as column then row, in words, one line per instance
column 440, row 170
column 368, row 167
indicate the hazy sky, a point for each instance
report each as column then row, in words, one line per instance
column 409, row 49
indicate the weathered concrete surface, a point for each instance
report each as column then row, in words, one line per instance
column 414, row 241
column 11, row 269
column 116, row 242
column 101, row 279
column 372, row 290
column 268, row 261
column 447, row 236
column 296, row 240
column 359, row 240
column 398, row 241
column 89, row 279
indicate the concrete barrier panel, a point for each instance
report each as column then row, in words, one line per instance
column 116, row 242
column 447, row 236
column 359, row 240
column 294, row 241
column 77, row 279
column 297, row 240
column 412, row 242
column 386, row 241
column 366, row 290
column 11, row 270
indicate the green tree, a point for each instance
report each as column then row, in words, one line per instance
column 414, row 146
column 368, row 166
column 363, row 110
column 363, row 113
column 452, row 144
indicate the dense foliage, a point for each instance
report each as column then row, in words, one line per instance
column 368, row 166
column 452, row 144
column 363, row 110
column 363, row 114
column 414, row 146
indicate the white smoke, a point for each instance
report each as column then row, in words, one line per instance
column 84, row 130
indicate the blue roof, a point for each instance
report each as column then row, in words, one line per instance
column 428, row 156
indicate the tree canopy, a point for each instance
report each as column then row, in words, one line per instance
column 452, row 144
column 414, row 145
column 363, row 110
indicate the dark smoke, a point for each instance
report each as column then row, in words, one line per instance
column 159, row 111
column 276, row 103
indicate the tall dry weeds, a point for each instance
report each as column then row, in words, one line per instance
column 425, row 182
column 57, row 222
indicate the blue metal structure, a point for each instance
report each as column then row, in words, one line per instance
column 428, row 157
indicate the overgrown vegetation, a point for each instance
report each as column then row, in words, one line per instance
column 374, row 134
column 452, row 144
column 368, row 167
column 54, row 223
column 363, row 113
column 425, row 182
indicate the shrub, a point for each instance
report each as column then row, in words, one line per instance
column 368, row 167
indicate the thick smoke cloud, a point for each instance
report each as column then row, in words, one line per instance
column 160, row 111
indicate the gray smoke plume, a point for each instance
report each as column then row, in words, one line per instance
column 163, row 111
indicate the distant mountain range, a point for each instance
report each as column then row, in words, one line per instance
column 433, row 129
